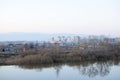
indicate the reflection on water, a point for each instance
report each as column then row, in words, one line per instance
column 91, row 69
column 68, row 71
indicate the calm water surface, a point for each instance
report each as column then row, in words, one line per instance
column 109, row 70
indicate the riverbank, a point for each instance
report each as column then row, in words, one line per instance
column 49, row 58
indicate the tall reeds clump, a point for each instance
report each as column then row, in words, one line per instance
column 34, row 59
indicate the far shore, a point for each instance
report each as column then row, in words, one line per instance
column 53, row 58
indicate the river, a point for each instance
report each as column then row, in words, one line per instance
column 102, row 70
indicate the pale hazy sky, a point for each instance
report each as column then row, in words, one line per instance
column 60, row 16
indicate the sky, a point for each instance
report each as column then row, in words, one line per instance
column 60, row 16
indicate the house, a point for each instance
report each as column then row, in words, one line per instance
column 19, row 48
column 8, row 48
